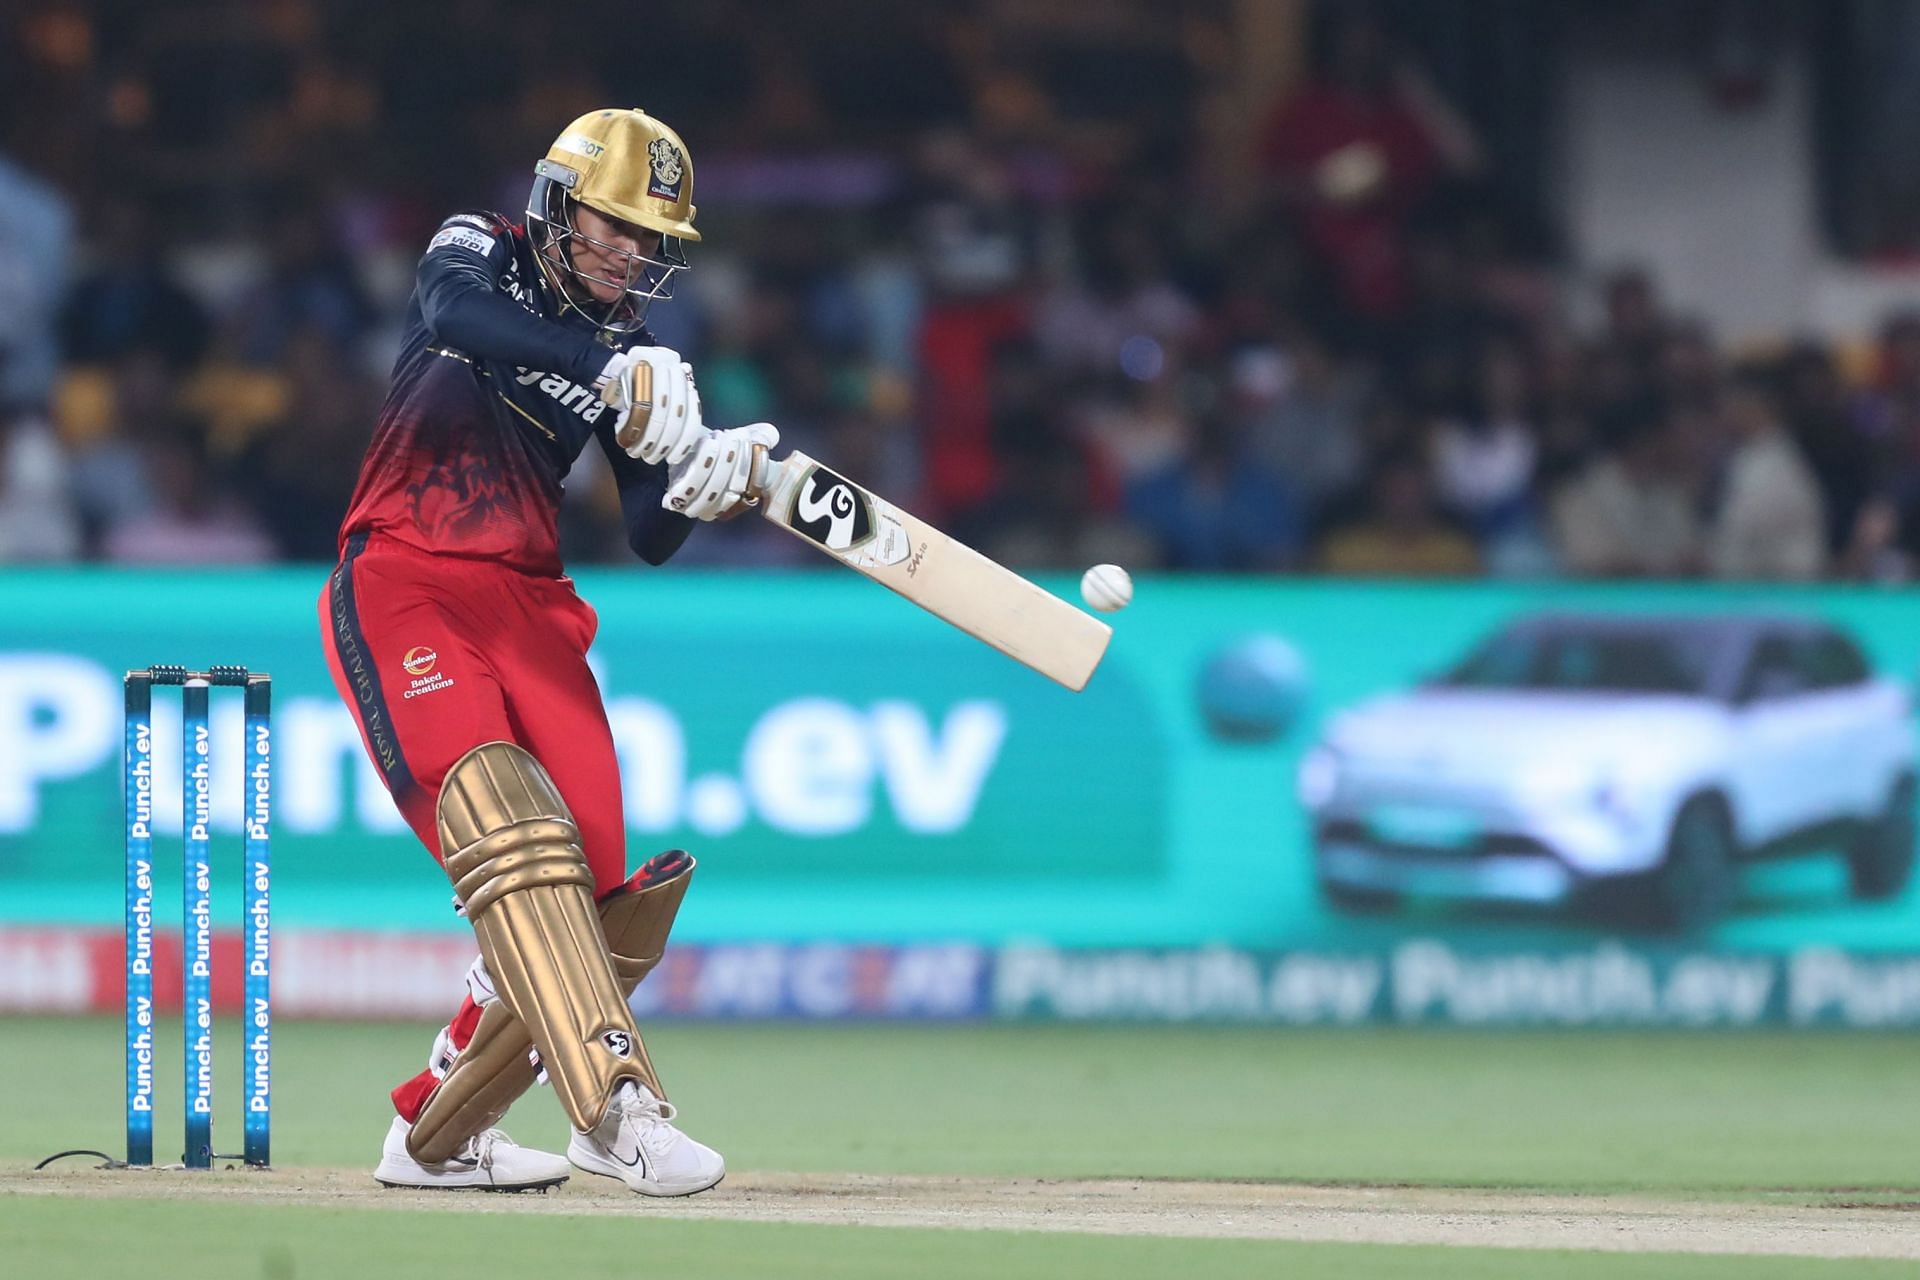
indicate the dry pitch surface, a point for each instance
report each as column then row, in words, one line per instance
column 1792, row 1226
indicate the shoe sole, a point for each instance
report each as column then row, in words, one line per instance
column 546, row 1186
column 661, row 1194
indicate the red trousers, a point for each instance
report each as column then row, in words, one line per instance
column 436, row 655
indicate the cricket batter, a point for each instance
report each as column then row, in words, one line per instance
column 459, row 643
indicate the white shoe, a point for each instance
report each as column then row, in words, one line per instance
column 490, row 1161
column 638, row 1144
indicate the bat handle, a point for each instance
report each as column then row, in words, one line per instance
column 764, row 475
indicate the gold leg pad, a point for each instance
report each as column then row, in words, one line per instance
column 513, row 853
column 496, row 1068
column 488, row 1077
column 637, row 921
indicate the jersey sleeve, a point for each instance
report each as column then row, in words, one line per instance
column 465, row 309
column 653, row 532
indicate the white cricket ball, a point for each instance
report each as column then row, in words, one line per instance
column 1106, row 587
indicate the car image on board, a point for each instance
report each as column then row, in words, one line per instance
column 1625, row 763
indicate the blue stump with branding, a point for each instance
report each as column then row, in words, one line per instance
column 197, row 940
column 258, row 1019
column 196, row 916
column 139, row 799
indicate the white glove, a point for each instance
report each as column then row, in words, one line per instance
column 713, row 479
column 652, row 390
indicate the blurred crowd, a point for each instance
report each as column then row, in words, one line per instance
column 1064, row 295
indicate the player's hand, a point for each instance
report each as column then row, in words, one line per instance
column 652, row 390
column 712, row 482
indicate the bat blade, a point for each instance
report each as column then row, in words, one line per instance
column 946, row 578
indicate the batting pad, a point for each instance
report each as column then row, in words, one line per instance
column 637, row 917
column 513, row 853
column 496, row 1067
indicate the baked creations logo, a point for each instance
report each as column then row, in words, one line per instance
column 422, row 664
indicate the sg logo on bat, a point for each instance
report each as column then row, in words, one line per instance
column 830, row 510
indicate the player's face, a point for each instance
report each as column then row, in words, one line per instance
column 600, row 264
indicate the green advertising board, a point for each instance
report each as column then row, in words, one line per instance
column 863, row 772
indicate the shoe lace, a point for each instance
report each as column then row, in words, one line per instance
column 479, row 1148
column 652, row 1117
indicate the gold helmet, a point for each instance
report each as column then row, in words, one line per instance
column 625, row 165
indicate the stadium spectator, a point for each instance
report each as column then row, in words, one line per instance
column 310, row 283
column 128, row 298
column 196, row 518
column 1355, row 152
column 1218, row 508
column 1310, row 431
column 1888, row 412
column 1817, row 407
column 1770, row 522
column 1046, row 516
column 300, row 469
column 1630, row 512
column 1402, row 533
column 1688, row 373
column 1636, row 325
column 103, row 421
column 976, row 242
column 35, row 242
column 1120, row 311
column 37, row 517
column 1484, row 458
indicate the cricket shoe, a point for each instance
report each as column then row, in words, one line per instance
column 637, row 1143
column 488, row 1161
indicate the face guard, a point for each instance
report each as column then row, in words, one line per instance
column 641, row 280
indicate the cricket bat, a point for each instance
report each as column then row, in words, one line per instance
column 946, row 578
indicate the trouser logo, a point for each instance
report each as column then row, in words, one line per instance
column 619, row 1043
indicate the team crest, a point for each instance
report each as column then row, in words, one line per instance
column 668, row 168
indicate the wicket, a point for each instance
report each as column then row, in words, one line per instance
column 197, row 909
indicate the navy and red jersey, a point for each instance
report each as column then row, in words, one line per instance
column 491, row 403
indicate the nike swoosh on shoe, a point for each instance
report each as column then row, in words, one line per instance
column 639, row 1160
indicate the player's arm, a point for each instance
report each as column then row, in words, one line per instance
column 464, row 308
column 653, row 532
column 650, row 388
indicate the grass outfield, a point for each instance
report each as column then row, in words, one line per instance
column 69, row 1240
column 1806, row 1118
column 1629, row 1111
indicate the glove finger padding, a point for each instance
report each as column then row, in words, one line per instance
column 660, row 406
column 627, row 385
column 727, row 483
column 682, row 432
column 667, row 418
column 691, row 482
column 718, row 474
